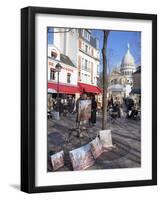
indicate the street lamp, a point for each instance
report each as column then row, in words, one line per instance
column 58, row 68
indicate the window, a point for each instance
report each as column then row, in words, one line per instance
column 86, row 48
column 79, row 76
column 83, row 33
column 86, row 64
column 86, row 35
column 89, row 64
column 82, row 62
column 54, row 54
column 68, row 77
column 98, row 54
column 121, row 82
column 115, row 81
column 52, row 74
column 97, row 69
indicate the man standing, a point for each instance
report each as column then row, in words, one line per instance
column 93, row 110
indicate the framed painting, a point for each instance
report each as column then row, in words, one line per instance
column 88, row 99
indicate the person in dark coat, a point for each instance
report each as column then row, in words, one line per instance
column 70, row 105
column 93, row 110
column 77, row 108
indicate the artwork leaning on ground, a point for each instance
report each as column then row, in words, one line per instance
column 93, row 119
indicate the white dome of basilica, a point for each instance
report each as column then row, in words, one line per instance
column 128, row 59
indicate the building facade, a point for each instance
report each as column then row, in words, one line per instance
column 116, row 83
column 63, row 50
column 78, row 54
column 136, row 89
column 88, row 57
column 67, row 75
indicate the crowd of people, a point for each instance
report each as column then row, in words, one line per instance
column 70, row 105
column 117, row 107
column 123, row 108
column 63, row 105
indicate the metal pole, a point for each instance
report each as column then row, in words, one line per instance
column 58, row 93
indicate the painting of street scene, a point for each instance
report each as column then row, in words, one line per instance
column 93, row 99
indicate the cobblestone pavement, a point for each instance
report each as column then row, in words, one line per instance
column 126, row 137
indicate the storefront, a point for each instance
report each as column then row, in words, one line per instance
column 65, row 92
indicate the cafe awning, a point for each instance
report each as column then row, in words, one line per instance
column 65, row 89
column 89, row 88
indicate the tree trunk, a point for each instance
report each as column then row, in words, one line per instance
column 104, row 97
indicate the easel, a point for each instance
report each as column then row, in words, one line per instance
column 81, row 130
column 81, row 122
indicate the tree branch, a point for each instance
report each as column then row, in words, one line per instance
column 61, row 31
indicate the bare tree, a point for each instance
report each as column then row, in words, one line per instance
column 104, row 97
column 65, row 31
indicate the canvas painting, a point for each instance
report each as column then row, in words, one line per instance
column 57, row 160
column 96, row 147
column 81, row 158
column 84, row 110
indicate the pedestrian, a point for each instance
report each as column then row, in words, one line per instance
column 93, row 110
column 70, row 105
column 76, row 109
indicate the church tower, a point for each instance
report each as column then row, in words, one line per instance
column 128, row 65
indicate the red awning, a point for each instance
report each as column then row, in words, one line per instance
column 65, row 89
column 89, row 88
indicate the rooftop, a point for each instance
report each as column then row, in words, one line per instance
column 64, row 59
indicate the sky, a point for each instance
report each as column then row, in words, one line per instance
column 116, row 46
column 50, row 35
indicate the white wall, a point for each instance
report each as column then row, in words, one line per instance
column 63, row 73
column 67, row 43
column 59, row 39
column 72, row 45
column 10, row 100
